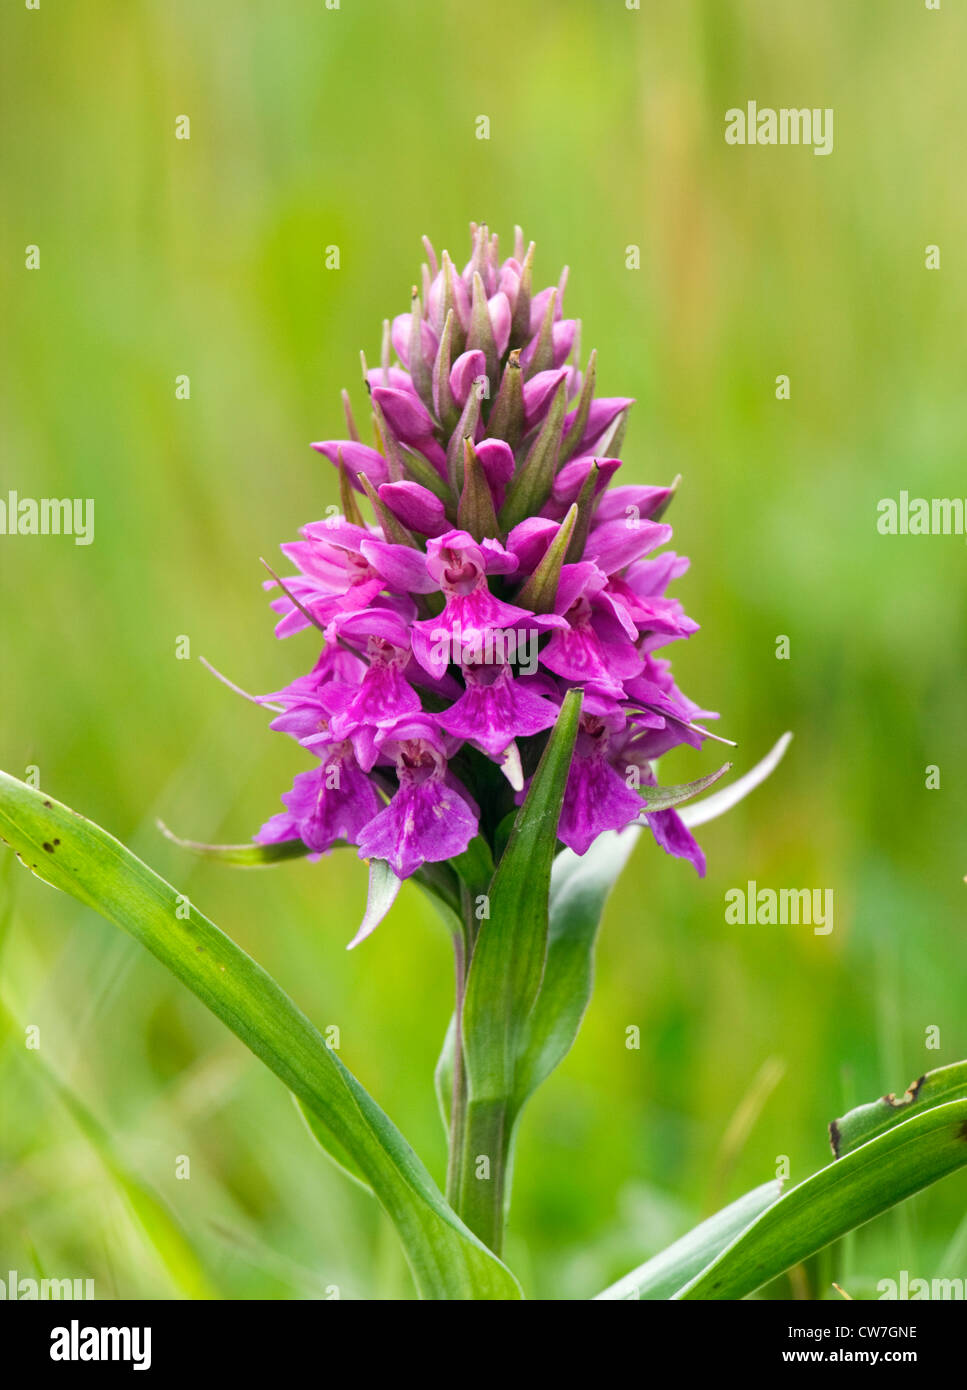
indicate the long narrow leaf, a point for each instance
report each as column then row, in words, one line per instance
column 509, row 954
column 579, row 889
column 503, row 981
column 78, row 857
column 580, row 885
column 664, row 1274
column 933, row 1088
column 844, row 1195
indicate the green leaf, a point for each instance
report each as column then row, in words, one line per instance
column 73, row 854
column 933, row 1088
column 735, row 1245
column 664, row 1274
column 508, row 956
column 502, row 984
column 342, row 1159
column 580, row 885
column 252, row 856
column 849, row 1192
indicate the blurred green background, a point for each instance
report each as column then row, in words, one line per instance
column 356, row 127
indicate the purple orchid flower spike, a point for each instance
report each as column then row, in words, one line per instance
column 500, row 571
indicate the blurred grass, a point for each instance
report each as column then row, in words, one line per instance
column 160, row 257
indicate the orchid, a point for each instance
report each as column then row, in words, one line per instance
column 499, row 570
column 484, row 712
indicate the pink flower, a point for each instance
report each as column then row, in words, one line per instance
column 453, row 628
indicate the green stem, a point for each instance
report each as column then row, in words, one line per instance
column 481, row 1195
column 480, row 1130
